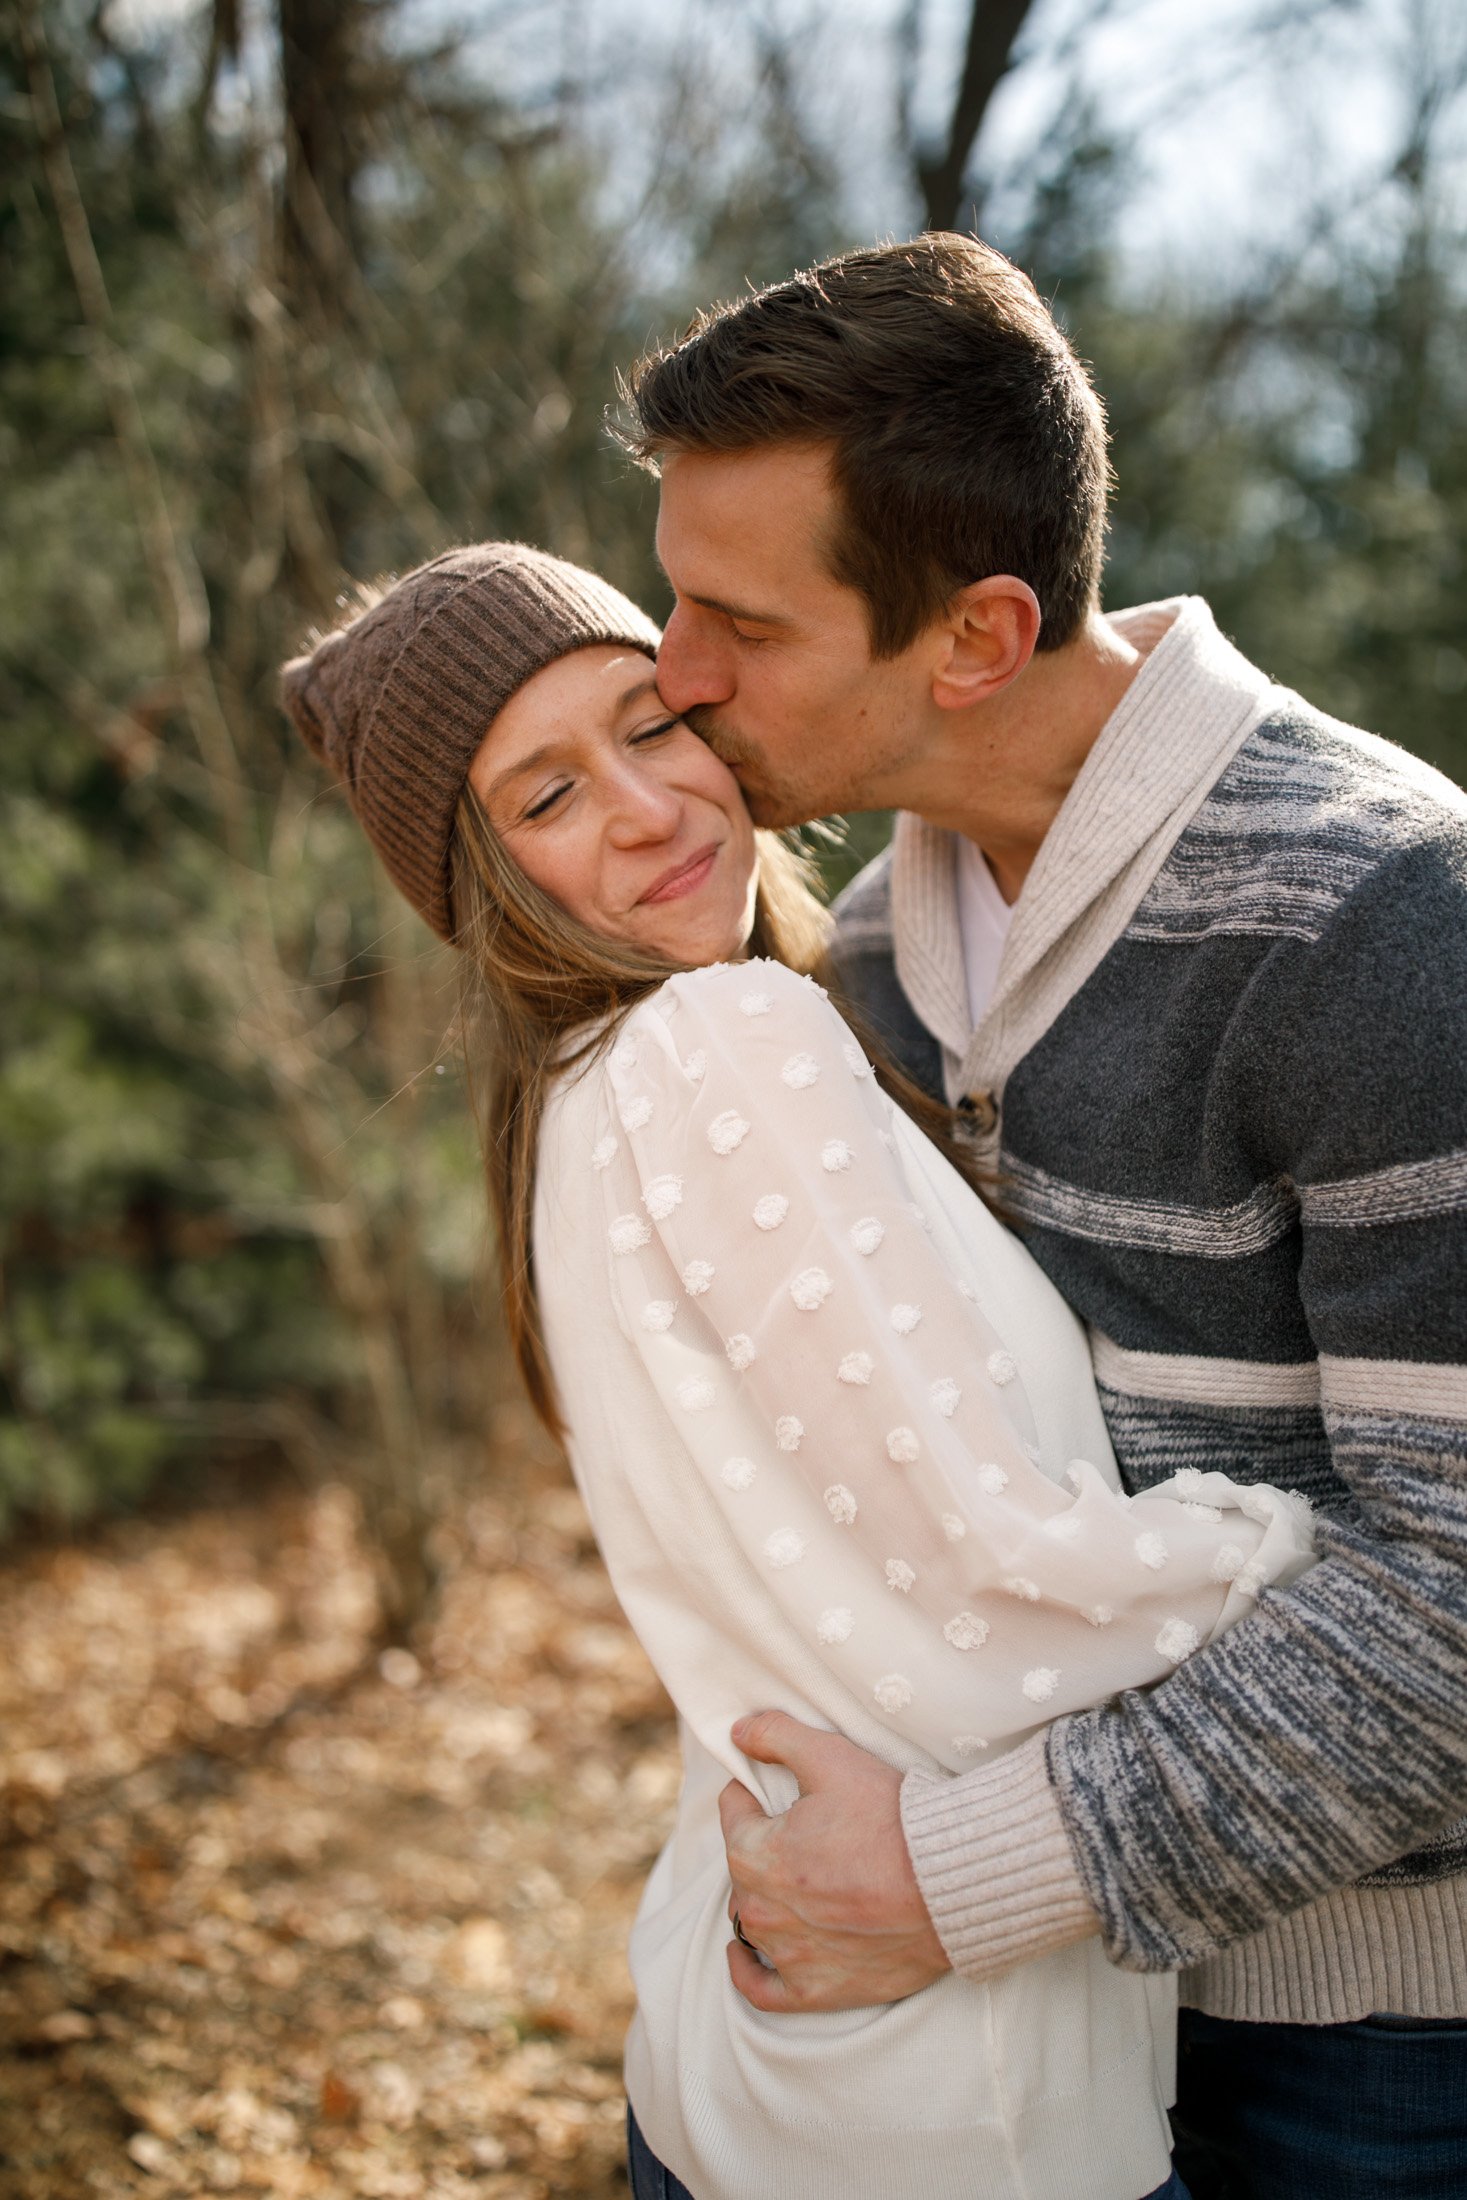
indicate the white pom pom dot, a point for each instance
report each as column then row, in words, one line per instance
column 967, row 1631
column 661, row 1196
column 727, row 1132
column 1177, row 1639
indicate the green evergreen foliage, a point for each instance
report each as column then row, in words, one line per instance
column 239, row 1197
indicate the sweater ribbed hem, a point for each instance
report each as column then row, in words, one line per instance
column 994, row 1863
column 1396, row 1950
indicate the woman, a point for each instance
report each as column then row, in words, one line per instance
column 835, row 1430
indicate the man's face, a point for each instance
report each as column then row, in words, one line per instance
column 766, row 655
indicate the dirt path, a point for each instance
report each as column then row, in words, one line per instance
column 368, row 1946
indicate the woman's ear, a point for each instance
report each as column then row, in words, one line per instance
column 989, row 634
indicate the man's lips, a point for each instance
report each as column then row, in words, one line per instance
column 683, row 878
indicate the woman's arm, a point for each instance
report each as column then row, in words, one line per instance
column 865, row 1430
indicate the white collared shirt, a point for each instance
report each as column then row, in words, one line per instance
column 984, row 918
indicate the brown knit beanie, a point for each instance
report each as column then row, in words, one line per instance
column 398, row 701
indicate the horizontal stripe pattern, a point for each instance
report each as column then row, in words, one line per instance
column 1291, row 828
column 1410, row 1191
column 1401, row 1390
column 1250, row 1226
column 1197, row 1380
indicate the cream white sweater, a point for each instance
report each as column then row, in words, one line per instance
column 841, row 1446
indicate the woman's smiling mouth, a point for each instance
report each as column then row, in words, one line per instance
column 685, row 879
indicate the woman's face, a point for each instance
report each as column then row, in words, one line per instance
column 619, row 812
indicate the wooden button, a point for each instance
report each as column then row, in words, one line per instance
column 982, row 1111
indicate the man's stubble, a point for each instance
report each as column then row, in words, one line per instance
column 777, row 804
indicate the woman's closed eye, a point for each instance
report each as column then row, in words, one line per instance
column 548, row 801
column 663, row 727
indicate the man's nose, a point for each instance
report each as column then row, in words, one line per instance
column 691, row 667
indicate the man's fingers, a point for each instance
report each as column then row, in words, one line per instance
column 774, row 1738
column 737, row 1809
column 762, row 1988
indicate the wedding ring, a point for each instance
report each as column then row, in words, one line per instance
column 741, row 1935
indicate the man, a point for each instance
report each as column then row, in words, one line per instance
column 1192, row 959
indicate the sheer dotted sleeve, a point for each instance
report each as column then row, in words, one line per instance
column 864, row 1427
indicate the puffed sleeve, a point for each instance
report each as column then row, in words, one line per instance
column 864, row 1427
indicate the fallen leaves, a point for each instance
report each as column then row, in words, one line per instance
column 282, row 1917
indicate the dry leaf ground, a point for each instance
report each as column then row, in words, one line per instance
column 282, row 1917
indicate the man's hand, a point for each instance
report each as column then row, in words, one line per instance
column 826, row 1891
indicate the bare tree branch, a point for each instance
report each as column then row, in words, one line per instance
column 993, row 32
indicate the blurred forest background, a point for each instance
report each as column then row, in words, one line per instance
column 296, row 292
column 330, row 1776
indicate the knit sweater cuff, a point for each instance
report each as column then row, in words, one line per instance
column 994, row 1863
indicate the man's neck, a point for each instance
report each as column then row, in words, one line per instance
column 1000, row 772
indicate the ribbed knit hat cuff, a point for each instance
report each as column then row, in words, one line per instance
column 472, row 652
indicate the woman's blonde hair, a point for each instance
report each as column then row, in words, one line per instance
column 543, row 994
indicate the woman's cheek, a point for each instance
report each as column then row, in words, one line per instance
column 575, row 875
column 549, row 863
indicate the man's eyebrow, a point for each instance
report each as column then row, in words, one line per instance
column 717, row 603
column 745, row 612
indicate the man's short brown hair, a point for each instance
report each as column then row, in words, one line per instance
column 967, row 440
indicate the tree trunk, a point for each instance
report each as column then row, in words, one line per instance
column 320, row 56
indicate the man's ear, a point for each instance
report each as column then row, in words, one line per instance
column 989, row 634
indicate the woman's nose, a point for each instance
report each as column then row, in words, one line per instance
column 691, row 669
column 642, row 809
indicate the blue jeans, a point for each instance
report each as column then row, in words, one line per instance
column 650, row 2181
column 1369, row 2111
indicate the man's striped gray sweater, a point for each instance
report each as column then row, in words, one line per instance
column 1224, row 1081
